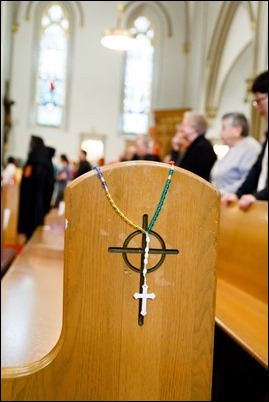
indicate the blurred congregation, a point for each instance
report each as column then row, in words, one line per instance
column 44, row 179
column 195, row 98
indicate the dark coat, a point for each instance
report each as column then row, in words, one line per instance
column 249, row 186
column 83, row 167
column 199, row 158
column 147, row 157
column 35, row 188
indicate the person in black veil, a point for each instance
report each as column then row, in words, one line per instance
column 35, row 187
column 50, row 180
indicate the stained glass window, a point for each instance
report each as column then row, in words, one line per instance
column 138, row 79
column 51, row 79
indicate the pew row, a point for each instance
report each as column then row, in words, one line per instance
column 241, row 303
column 107, row 349
column 9, row 220
column 242, row 278
column 31, row 297
column 9, row 216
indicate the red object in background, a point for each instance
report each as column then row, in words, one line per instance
column 52, row 87
column 152, row 131
column 156, row 149
column 101, row 161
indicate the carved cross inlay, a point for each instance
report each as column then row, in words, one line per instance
column 142, row 296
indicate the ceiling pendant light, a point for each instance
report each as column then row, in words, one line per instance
column 118, row 38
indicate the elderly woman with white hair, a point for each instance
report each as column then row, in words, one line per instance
column 199, row 156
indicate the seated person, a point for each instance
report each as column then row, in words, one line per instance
column 229, row 172
column 179, row 146
column 255, row 186
column 144, row 149
column 199, row 156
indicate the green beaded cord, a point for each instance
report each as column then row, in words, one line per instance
column 121, row 214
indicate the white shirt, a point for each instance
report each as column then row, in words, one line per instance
column 264, row 171
column 8, row 173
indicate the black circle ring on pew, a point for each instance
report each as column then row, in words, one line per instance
column 134, row 250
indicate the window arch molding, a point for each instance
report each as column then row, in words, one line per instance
column 163, row 28
column 214, row 58
column 38, row 11
column 155, row 8
column 74, row 7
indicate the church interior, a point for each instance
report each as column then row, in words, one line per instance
column 197, row 326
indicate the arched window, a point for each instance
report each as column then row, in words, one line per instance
column 52, row 66
column 138, row 78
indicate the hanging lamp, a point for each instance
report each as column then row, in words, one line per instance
column 118, row 38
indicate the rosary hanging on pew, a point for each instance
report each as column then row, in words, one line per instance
column 144, row 296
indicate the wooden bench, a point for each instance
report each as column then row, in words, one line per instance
column 242, row 278
column 103, row 353
column 7, row 256
column 31, row 296
column 242, row 287
column 9, row 220
column 10, row 204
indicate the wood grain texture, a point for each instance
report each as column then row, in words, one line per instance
column 10, row 200
column 242, row 286
column 243, row 248
column 31, row 301
column 102, row 352
column 165, row 127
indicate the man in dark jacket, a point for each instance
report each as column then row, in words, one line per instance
column 84, row 166
column 255, row 186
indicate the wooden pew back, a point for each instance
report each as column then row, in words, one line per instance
column 243, row 248
column 105, row 351
column 10, row 200
column 242, row 286
column 31, row 297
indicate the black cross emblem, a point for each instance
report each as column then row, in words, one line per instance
column 163, row 251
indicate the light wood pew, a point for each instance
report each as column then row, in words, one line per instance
column 10, row 201
column 103, row 353
column 9, row 220
column 242, row 284
column 2, row 216
column 31, row 297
